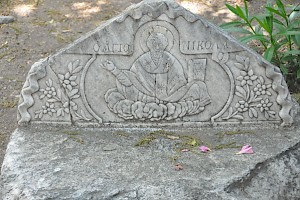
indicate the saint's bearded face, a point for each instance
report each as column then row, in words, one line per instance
column 157, row 42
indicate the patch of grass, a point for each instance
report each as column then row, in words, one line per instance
column 40, row 23
column 2, row 138
column 182, row 141
column 121, row 133
column 174, row 159
column 9, row 103
column 37, row 2
column 71, row 132
column 64, row 39
column 237, row 132
column 145, row 141
column 11, row 58
column 54, row 13
column 73, row 135
column 227, row 146
column 5, row 53
column 4, row 45
column 77, row 139
column 297, row 97
column 16, row 29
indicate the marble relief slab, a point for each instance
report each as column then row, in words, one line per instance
column 156, row 64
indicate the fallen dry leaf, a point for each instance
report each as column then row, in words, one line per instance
column 185, row 150
column 172, row 137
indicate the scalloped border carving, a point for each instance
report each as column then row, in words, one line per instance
column 154, row 9
column 31, row 85
column 284, row 97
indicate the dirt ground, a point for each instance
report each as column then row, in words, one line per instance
column 42, row 27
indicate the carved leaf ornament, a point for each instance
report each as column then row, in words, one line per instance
column 253, row 93
column 55, row 104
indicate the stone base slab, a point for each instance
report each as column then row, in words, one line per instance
column 104, row 163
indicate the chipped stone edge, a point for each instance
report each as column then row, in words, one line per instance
column 37, row 71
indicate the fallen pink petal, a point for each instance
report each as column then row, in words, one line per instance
column 204, row 149
column 247, row 149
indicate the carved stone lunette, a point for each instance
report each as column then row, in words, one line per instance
column 156, row 71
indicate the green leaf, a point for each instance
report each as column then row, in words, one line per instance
column 263, row 24
column 281, row 7
column 276, row 21
column 298, row 73
column 261, row 38
column 233, row 9
column 281, row 28
column 294, row 24
column 258, row 30
column 296, row 39
column 294, row 14
column 287, row 58
column 269, row 21
column 291, row 33
column 241, row 13
column 231, row 24
column 272, row 10
column 193, row 142
column 269, row 53
column 284, row 69
column 239, row 30
column 292, row 52
column 246, row 8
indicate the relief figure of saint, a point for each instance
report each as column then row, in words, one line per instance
column 156, row 86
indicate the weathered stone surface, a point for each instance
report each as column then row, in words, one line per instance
column 104, row 163
column 6, row 19
column 155, row 64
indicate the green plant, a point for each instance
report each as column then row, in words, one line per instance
column 277, row 31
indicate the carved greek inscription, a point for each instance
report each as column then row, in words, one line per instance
column 110, row 48
column 202, row 46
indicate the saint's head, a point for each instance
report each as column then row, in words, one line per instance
column 157, row 42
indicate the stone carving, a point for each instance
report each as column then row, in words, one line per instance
column 253, row 92
column 55, row 104
column 155, row 87
column 156, row 9
column 37, row 71
column 155, row 63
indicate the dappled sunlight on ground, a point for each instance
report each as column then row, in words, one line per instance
column 86, row 9
column 191, row 6
column 218, row 14
column 101, row 2
column 24, row 9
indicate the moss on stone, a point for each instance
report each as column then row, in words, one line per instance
column 9, row 103
column 237, row 132
column 227, row 146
